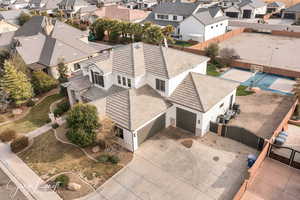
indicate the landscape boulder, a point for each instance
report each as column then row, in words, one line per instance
column 74, row 186
column 95, row 149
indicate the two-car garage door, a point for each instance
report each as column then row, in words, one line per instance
column 151, row 129
column 186, row 120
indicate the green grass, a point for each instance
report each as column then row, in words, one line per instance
column 241, row 91
column 37, row 117
column 212, row 70
column 181, row 43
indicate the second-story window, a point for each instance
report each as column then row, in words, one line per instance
column 162, row 16
column 119, row 80
column 97, row 78
column 129, row 82
column 175, row 18
column 124, row 81
column 76, row 66
column 160, row 85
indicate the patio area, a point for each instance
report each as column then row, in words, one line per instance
column 274, row 181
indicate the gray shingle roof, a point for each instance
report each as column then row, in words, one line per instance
column 275, row 4
column 177, row 8
column 64, row 41
column 294, row 8
column 151, row 18
column 10, row 14
column 208, row 15
column 201, row 92
column 253, row 3
column 79, row 83
column 72, row 3
column 134, row 107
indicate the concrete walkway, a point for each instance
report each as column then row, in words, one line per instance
column 26, row 178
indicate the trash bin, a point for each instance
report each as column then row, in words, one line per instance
column 251, row 160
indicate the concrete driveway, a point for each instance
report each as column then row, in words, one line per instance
column 162, row 168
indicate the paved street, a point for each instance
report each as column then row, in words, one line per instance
column 162, row 168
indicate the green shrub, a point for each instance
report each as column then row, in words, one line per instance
column 83, row 116
column 81, row 137
column 42, row 82
column 19, row 144
column 62, row 180
column 8, row 135
column 55, row 126
column 103, row 158
column 106, row 158
column 30, row 103
column 114, row 159
column 61, row 108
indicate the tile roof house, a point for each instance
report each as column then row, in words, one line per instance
column 203, row 25
column 53, row 41
column 247, row 9
column 145, row 88
column 70, row 7
column 192, row 21
column 44, row 5
column 172, row 13
column 275, row 6
column 292, row 12
column 119, row 13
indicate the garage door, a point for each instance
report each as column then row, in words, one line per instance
column 151, row 128
column 289, row 16
column 186, row 120
column 247, row 14
column 232, row 14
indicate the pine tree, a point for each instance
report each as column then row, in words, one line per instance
column 15, row 84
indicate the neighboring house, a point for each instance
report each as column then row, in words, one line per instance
column 275, row 6
column 144, row 89
column 119, row 13
column 172, row 13
column 43, row 42
column 207, row 23
column 20, row 4
column 44, row 5
column 292, row 12
column 84, row 13
column 70, row 7
column 12, row 16
column 247, row 9
column 228, row 3
column 7, row 2
column 7, row 26
column 131, row 5
column 146, row 4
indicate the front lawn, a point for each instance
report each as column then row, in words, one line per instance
column 48, row 157
column 212, row 70
column 242, row 91
column 37, row 117
column 181, row 43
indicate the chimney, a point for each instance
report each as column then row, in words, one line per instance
column 48, row 26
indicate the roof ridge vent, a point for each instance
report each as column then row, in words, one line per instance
column 136, row 45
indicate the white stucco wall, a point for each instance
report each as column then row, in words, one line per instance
column 192, row 26
column 215, row 111
column 216, row 29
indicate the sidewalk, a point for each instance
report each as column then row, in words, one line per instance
column 27, row 179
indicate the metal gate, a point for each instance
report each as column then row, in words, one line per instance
column 243, row 136
column 285, row 155
column 213, row 127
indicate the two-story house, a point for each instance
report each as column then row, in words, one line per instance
column 70, row 7
column 146, row 4
column 247, row 9
column 145, row 88
column 205, row 24
column 172, row 13
column 43, row 42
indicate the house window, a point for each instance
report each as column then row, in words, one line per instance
column 119, row 132
column 76, row 66
column 217, row 25
column 119, row 80
column 129, row 83
column 160, row 85
column 162, row 17
column 175, row 18
column 124, row 81
column 97, row 78
column 211, row 27
column 221, row 105
column 221, row 24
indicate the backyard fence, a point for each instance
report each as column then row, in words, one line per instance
column 286, row 155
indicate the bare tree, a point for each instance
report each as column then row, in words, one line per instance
column 228, row 55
